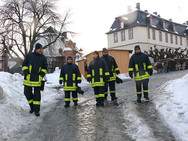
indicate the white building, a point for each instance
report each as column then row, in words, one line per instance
column 147, row 30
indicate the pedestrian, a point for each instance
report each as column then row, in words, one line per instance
column 141, row 67
column 113, row 70
column 34, row 68
column 70, row 77
column 98, row 74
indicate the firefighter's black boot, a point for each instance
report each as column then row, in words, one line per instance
column 105, row 97
column 67, row 104
column 97, row 102
column 37, row 114
column 139, row 98
column 75, row 103
column 114, row 100
column 31, row 108
column 146, row 97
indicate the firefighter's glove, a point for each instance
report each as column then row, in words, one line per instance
column 60, row 81
column 150, row 71
column 131, row 74
column 89, row 80
column 42, row 85
column 119, row 80
column 79, row 90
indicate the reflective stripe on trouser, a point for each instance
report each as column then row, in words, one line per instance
column 33, row 98
column 112, row 89
column 99, row 93
column 67, row 96
column 139, row 88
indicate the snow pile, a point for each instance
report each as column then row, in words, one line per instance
column 173, row 107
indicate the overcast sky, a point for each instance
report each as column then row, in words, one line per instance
column 93, row 18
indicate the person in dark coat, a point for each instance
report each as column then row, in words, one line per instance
column 141, row 67
column 70, row 77
column 113, row 70
column 97, row 75
column 34, row 68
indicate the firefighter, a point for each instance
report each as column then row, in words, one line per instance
column 141, row 67
column 98, row 74
column 70, row 76
column 34, row 68
column 113, row 70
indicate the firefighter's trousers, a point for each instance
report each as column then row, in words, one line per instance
column 33, row 98
column 111, row 85
column 67, row 97
column 99, row 93
column 139, row 85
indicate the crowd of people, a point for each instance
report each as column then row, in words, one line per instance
column 171, row 65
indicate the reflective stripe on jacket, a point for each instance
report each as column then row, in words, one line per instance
column 140, row 64
column 34, row 68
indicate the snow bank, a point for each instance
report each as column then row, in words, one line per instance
column 173, row 107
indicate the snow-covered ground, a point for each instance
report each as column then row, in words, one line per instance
column 173, row 106
column 14, row 109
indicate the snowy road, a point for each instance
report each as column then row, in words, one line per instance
column 129, row 121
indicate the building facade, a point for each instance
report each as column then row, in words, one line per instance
column 147, row 30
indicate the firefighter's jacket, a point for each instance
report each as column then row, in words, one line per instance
column 112, row 66
column 98, row 72
column 70, row 75
column 34, row 68
column 140, row 65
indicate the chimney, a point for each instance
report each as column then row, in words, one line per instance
column 146, row 11
column 138, row 6
column 159, row 16
column 155, row 13
column 170, row 20
column 186, row 22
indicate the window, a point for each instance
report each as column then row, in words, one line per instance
column 164, row 24
column 151, row 20
column 174, row 27
column 166, row 37
column 148, row 33
column 115, row 37
column 181, row 41
column 176, row 38
column 123, row 35
column 171, row 38
column 160, row 36
column 153, row 34
column 122, row 24
column 130, row 33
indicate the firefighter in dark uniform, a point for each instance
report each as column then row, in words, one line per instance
column 113, row 70
column 141, row 67
column 70, row 76
column 98, row 74
column 34, row 68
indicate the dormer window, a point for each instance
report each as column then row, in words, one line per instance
column 174, row 27
column 122, row 21
column 164, row 24
column 122, row 24
column 151, row 20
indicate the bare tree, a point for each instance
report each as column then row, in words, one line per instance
column 21, row 21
